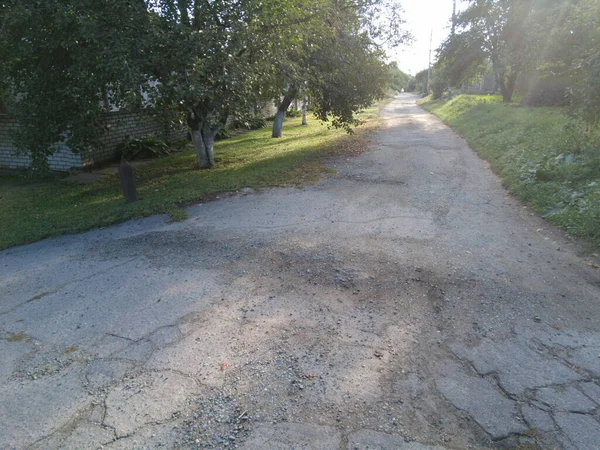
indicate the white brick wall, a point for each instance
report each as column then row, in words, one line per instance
column 118, row 127
column 63, row 160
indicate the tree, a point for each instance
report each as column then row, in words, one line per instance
column 338, row 58
column 460, row 59
column 398, row 79
column 61, row 61
column 419, row 82
column 569, row 49
column 210, row 60
column 345, row 79
column 496, row 30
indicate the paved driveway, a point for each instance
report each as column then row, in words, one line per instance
column 407, row 302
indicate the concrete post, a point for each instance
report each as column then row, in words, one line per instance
column 127, row 181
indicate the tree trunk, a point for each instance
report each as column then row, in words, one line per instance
column 304, row 108
column 510, row 85
column 507, row 87
column 203, row 138
column 278, row 124
column 39, row 162
column 505, row 80
column 200, row 148
column 502, row 80
column 208, row 135
column 285, row 104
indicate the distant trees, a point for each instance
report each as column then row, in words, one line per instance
column 549, row 43
column 418, row 83
column 398, row 79
column 496, row 30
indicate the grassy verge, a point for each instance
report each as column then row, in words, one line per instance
column 543, row 157
column 33, row 211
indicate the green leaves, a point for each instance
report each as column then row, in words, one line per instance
column 65, row 62
column 546, row 48
column 61, row 58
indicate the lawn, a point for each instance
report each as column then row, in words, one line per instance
column 31, row 211
column 543, row 156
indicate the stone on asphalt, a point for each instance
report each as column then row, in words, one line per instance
column 537, row 419
column 582, row 430
column 496, row 414
column 566, row 398
column 285, row 436
column 374, row 440
column 517, row 366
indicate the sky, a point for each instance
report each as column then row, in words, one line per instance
column 423, row 16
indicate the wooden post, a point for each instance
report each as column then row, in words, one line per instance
column 127, row 181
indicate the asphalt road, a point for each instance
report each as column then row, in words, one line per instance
column 406, row 302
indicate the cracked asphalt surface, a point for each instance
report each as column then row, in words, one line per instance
column 407, row 302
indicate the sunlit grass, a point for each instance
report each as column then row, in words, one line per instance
column 33, row 211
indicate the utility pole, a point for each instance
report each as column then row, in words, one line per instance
column 452, row 34
column 453, row 17
column 429, row 69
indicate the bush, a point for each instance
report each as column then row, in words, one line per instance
column 293, row 113
column 142, row 148
column 547, row 91
column 438, row 88
column 289, row 113
column 222, row 134
column 250, row 122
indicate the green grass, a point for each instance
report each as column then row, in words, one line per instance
column 543, row 157
column 33, row 211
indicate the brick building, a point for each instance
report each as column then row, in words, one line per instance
column 117, row 126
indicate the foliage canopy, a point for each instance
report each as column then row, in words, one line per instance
column 66, row 62
column 549, row 48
